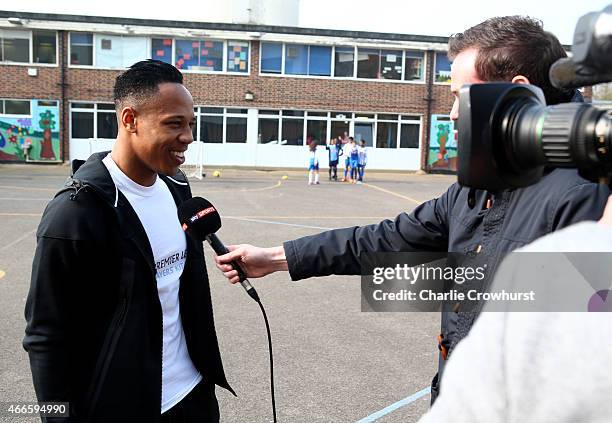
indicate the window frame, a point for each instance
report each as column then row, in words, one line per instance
column 94, row 112
column 30, row 62
column 12, row 115
column 354, row 77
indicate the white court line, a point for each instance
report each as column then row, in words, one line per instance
column 401, row 403
column 271, row 222
column 18, row 240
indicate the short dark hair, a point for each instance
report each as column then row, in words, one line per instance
column 513, row 45
column 141, row 80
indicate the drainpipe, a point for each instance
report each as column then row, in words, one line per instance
column 63, row 85
column 430, row 100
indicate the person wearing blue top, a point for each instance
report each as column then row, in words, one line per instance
column 361, row 160
column 334, row 151
column 354, row 160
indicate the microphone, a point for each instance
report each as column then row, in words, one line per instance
column 200, row 219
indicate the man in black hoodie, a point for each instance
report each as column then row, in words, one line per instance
column 119, row 314
column 483, row 229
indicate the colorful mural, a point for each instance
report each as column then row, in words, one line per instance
column 443, row 144
column 32, row 139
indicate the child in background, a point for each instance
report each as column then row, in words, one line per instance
column 354, row 160
column 335, row 151
column 362, row 160
column 313, row 163
column 346, row 152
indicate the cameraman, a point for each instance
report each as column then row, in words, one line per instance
column 537, row 367
column 485, row 226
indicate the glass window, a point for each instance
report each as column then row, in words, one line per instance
column 217, row 110
column 187, row 55
column 1, row 107
column 82, row 105
column 44, row 46
column 443, row 68
column 340, row 129
column 320, row 61
column 211, row 129
column 293, row 131
column 413, row 66
column 368, row 63
column 268, row 112
column 296, row 59
column 391, row 64
column 323, row 114
column 267, row 131
column 409, row 137
column 236, row 129
column 16, row 46
column 17, row 107
column 237, row 111
column 81, row 49
column 364, row 131
column 47, row 103
column 106, row 106
column 107, row 125
column 237, row 56
column 387, row 117
column 386, row 135
column 271, row 57
column 161, row 49
column 344, row 61
column 316, row 130
column 211, row 56
column 293, row 113
column 82, row 125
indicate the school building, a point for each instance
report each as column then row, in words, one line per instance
column 261, row 92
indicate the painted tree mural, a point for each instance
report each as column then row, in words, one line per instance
column 47, row 123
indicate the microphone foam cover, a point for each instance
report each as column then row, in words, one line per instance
column 199, row 217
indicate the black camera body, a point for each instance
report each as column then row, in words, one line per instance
column 508, row 136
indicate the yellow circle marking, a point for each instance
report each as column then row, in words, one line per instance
column 2, row 274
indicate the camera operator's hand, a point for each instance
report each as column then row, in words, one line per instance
column 606, row 219
column 255, row 261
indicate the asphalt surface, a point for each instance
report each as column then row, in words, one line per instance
column 333, row 363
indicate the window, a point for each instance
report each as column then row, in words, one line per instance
column 15, row 46
column 391, row 64
column 15, row 107
column 409, row 137
column 219, row 125
column 93, row 120
column 316, row 130
column 319, row 62
column 161, row 49
column 443, row 68
column 237, row 56
column 267, row 132
column 344, row 62
column 118, row 52
column 271, row 57
column 203, row 55
column 413, row 66
column 368, row 63
column 81, row 49
column 293, row 131
column 211, row 56
column 386, row 135
column 44, row 46
column 296, row 59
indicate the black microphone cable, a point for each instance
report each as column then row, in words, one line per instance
column 263, row 311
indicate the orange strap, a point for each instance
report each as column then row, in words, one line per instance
column 441, row 347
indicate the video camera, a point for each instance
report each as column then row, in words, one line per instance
column 508, row 136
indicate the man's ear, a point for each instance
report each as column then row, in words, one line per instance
column 127, row 117
column 520, row 79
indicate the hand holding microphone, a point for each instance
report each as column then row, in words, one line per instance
column 256, row 262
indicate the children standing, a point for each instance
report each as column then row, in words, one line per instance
column 354, row 160
column 313, row 164
column 362, row 160
column 334, row 151
column 346, row 150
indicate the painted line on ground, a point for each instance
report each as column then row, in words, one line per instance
column 405, row 197
column 29, row 188
column 271, row 222
column 408, row 400
column 276, row 185
column 18, row 240
column 24, row 199
column 22, row 214
column 306, row 217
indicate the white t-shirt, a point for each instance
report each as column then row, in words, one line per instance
column 156, row 210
